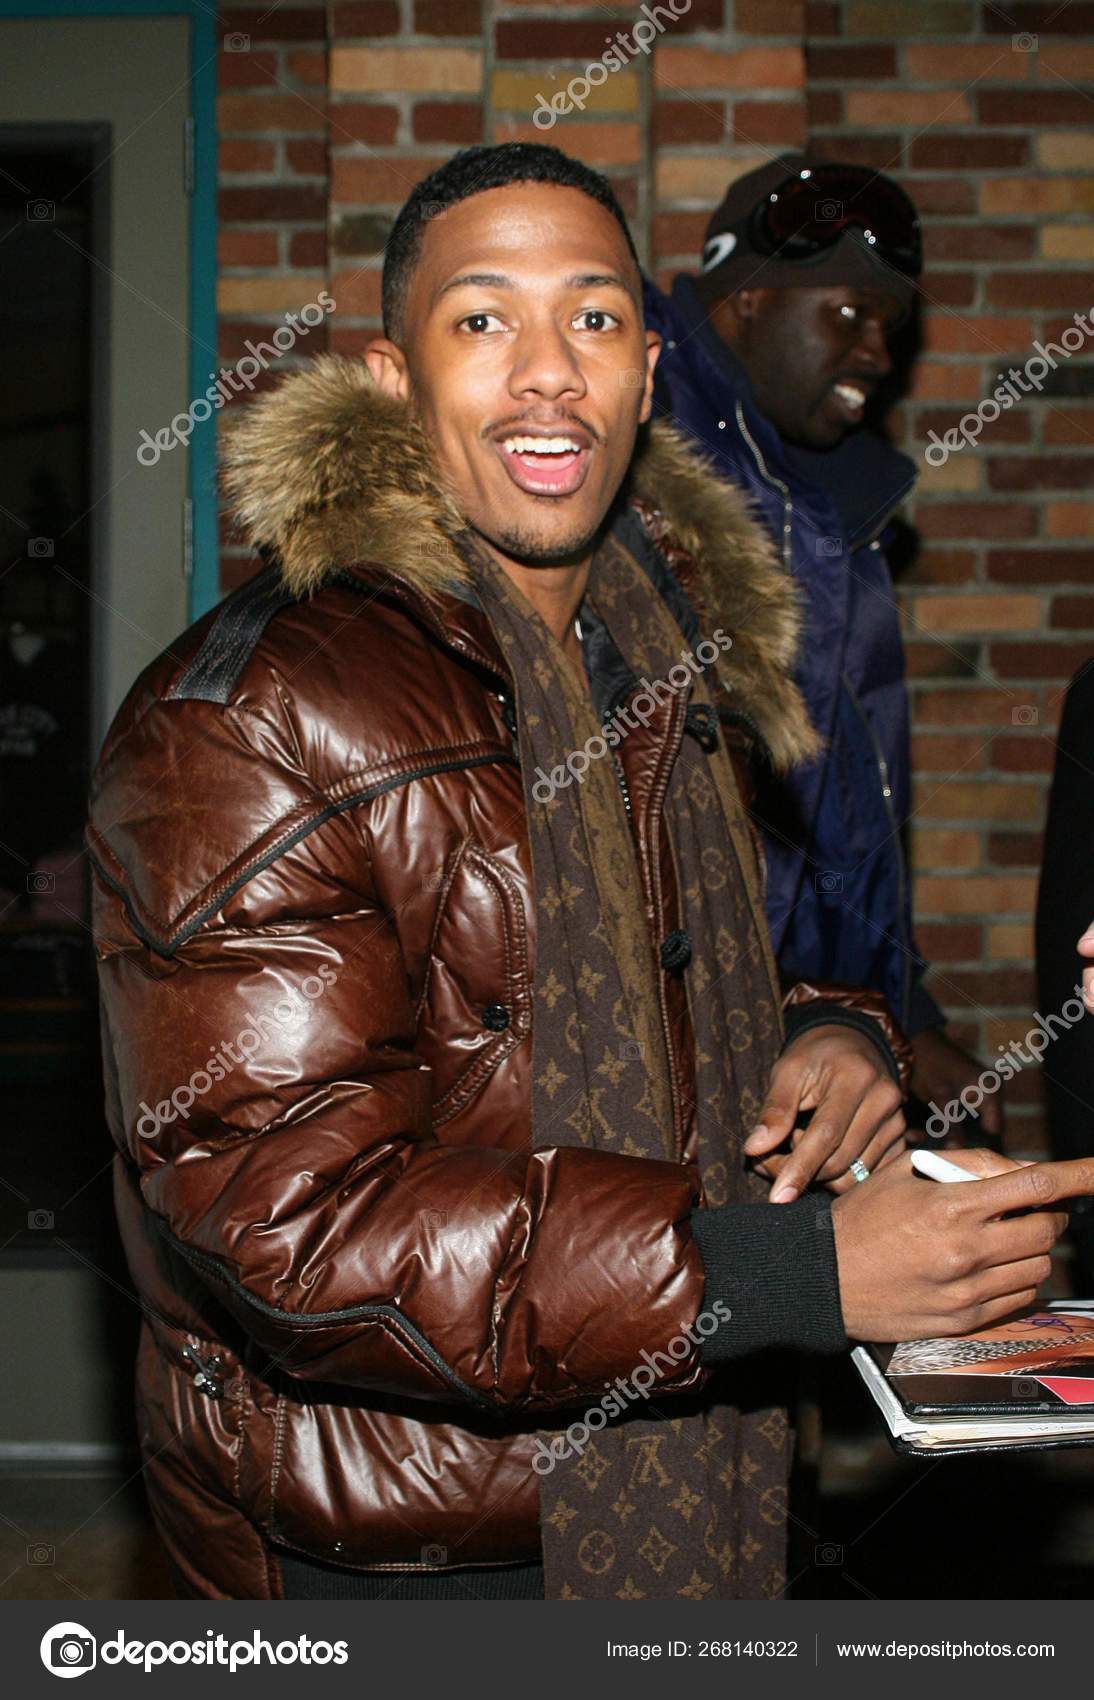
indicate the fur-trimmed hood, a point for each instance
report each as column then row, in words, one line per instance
column 329, row 472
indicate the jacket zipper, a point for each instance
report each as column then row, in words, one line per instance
column 207, row 1380
column 887, row 799
column 776, row 484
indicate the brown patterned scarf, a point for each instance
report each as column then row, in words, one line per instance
column 682, row 1496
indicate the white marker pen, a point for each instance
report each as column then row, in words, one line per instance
column 937, row 1168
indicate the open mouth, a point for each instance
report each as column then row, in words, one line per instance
column 545, row 465
column 851, row 400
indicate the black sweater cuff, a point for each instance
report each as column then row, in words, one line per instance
column 820, row 1011
column 774, row 1268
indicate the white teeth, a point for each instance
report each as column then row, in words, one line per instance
column 852, row 396
column 541, row 445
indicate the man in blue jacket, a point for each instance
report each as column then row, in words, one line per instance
column 770, row 357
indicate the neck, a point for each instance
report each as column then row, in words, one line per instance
column 555, row 592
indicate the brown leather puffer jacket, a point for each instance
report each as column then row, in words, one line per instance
column 312, row 910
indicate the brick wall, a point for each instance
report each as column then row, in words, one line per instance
column 329, row 114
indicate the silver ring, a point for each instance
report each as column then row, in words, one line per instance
column 859, row 1170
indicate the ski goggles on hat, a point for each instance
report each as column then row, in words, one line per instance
column 811, row 210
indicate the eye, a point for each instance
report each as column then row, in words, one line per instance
column 597, row 313
column 470, row 319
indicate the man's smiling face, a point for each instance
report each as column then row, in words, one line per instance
column 524, row 356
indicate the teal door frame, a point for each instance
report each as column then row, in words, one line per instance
column 205, row 576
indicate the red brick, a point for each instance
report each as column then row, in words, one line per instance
column 309, row 67
column 1076, row 612
column 823, row 106
column 976, row 519
column 358, row 121
column 242, row 155
column 458, row 121
column 1041, row 472
column 1045, row 18
column 941, row 660
column 949, row 289
column 275, row 23
column 822, row 17
column 679, row 121
column 1067, row 422
column 246, row 70
column 977, row 706
column 247, row 247
column 679, row 232
column 1030, row 752
column 992, row 338
column 308, row 159
column 365, row 17
column 308, row 248
column 780, row 123
column 957, row 150
column 1038, row 660
column 1012, row 427
column 980, row 242
column 1050, row 288
column 945, row 752
column 710, row 15
column 277, row 204
column 1016, row 849
column 824, row 64
column 544, row 38
column 1041, row 566
column 941, row 197
column 992, row 988
column 448, row 17
column 771, row 17
column 882, row 153
column 270, row 112
column 387, row 181
column 948, row 941
column 943, row 566
column 1034, row 107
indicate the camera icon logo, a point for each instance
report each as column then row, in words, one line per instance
column 41, row 212
column 828, row 884
column 41, row 1553
column 40, row 548
column 631, row 378
column 237, row 43
column 829, row 546
column 827, row 1553
column 828, row 210
column 68, row 1649
column 434, row 1555
column 40, row 1219
column 1024, row 715
column 41, row 884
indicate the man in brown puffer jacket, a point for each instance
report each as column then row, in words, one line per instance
column 432, row 1037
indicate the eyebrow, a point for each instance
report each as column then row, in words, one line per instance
column 498, row 280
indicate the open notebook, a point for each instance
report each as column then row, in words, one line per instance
column 1022, row 1384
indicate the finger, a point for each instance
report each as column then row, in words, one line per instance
column 1013, row 1278
column 995, row 1310
column 780, row 1108
column 822, row 1137
column 1085, row 946
column 985, row 1163
column 1030, row 1188
column 886, row 1146
column 1020, row 1236
column 873, row 1129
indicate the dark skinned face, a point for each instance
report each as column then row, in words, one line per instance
column 813, row 356
column 526, row 358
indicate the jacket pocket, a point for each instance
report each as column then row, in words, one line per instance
column 478, row 1002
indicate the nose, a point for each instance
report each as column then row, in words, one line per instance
column 545, row 363
column 872, row 349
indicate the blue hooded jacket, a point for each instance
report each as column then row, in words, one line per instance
column 838, row 898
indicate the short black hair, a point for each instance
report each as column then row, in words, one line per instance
column 468, row 173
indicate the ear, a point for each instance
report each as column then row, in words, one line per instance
column 654, row 344
column 387, row 367
column 746, row 303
